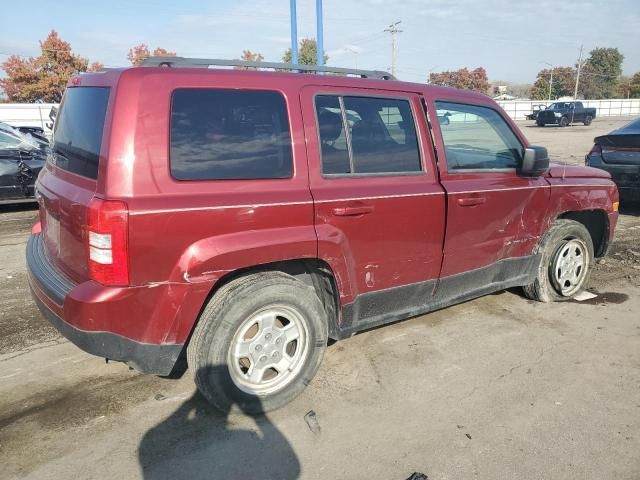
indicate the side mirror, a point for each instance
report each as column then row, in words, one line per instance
column 535, row 161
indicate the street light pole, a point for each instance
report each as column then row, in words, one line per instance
column 319, row 33
column 294, row 33
column 355, row 52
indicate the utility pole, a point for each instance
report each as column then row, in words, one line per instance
column 393, row 29
column 575, row 92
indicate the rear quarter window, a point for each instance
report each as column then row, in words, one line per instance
column 219, row 134
column 78, row 131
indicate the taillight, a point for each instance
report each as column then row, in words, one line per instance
column 595, row 149
column 107, row 242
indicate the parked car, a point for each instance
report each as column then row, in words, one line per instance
column 22, row 156
column 618, row 152
column 246, row 217
column 535, row 109
column 565, row 113
column 36, row 132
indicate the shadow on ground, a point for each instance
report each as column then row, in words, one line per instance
column 199, row 442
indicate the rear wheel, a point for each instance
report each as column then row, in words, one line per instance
column 564, row 121
column 566, row 256
column 539, row 123
column 258, row 343
column 588, row 119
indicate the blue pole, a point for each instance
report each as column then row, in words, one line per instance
column 319, row 34
column 294, row 33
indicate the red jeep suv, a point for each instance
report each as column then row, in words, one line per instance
column 243, row 218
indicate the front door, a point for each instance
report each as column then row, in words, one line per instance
column 494, row 214
column 379, row 210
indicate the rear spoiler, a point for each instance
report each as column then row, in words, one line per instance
column 630, row 140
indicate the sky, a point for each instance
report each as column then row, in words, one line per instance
column 511, row 39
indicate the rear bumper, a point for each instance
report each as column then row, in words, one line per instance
column 144, row 357
column 70, row 307
column 626, row 177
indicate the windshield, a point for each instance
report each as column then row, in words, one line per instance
column 13, row 138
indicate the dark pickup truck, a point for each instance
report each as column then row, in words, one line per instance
column 565, row 113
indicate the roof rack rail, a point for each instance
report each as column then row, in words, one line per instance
column 207, row 62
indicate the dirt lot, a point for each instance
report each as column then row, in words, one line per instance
column 496, row 388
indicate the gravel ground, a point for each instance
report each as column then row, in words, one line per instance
column 496, row 388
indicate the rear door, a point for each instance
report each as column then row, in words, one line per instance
column 379, row 210
column 68, row 182
column 493, row 213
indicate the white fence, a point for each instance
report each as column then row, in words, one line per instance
column 37, row 114
column 27, row 115
column 518, row 109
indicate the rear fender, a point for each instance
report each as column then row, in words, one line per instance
column 208, row 259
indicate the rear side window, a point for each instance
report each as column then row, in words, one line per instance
column 78, row 131
column 229, row 135
column 366, row 135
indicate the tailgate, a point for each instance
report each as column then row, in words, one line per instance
column 63, row 214
column 68, row 182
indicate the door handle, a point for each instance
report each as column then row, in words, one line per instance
column 352, row 211
column 471, row 201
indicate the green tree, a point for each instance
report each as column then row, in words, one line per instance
column 475, row 80
column 307, row 53
column 601, row 72
column 564, row 80
column 634, row 86
column 43, row 78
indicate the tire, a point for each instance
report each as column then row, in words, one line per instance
column 224, row 333
column 564, row 121
column 539, row 123
column 556, row 247
column 587, row 120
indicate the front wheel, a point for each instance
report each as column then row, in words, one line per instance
column 564, row 121
column 258, row 343
column 566, row 256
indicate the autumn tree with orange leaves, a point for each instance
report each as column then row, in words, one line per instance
column 475, row 80
column 138, row 53
column 249, row 56
column 43, row 78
